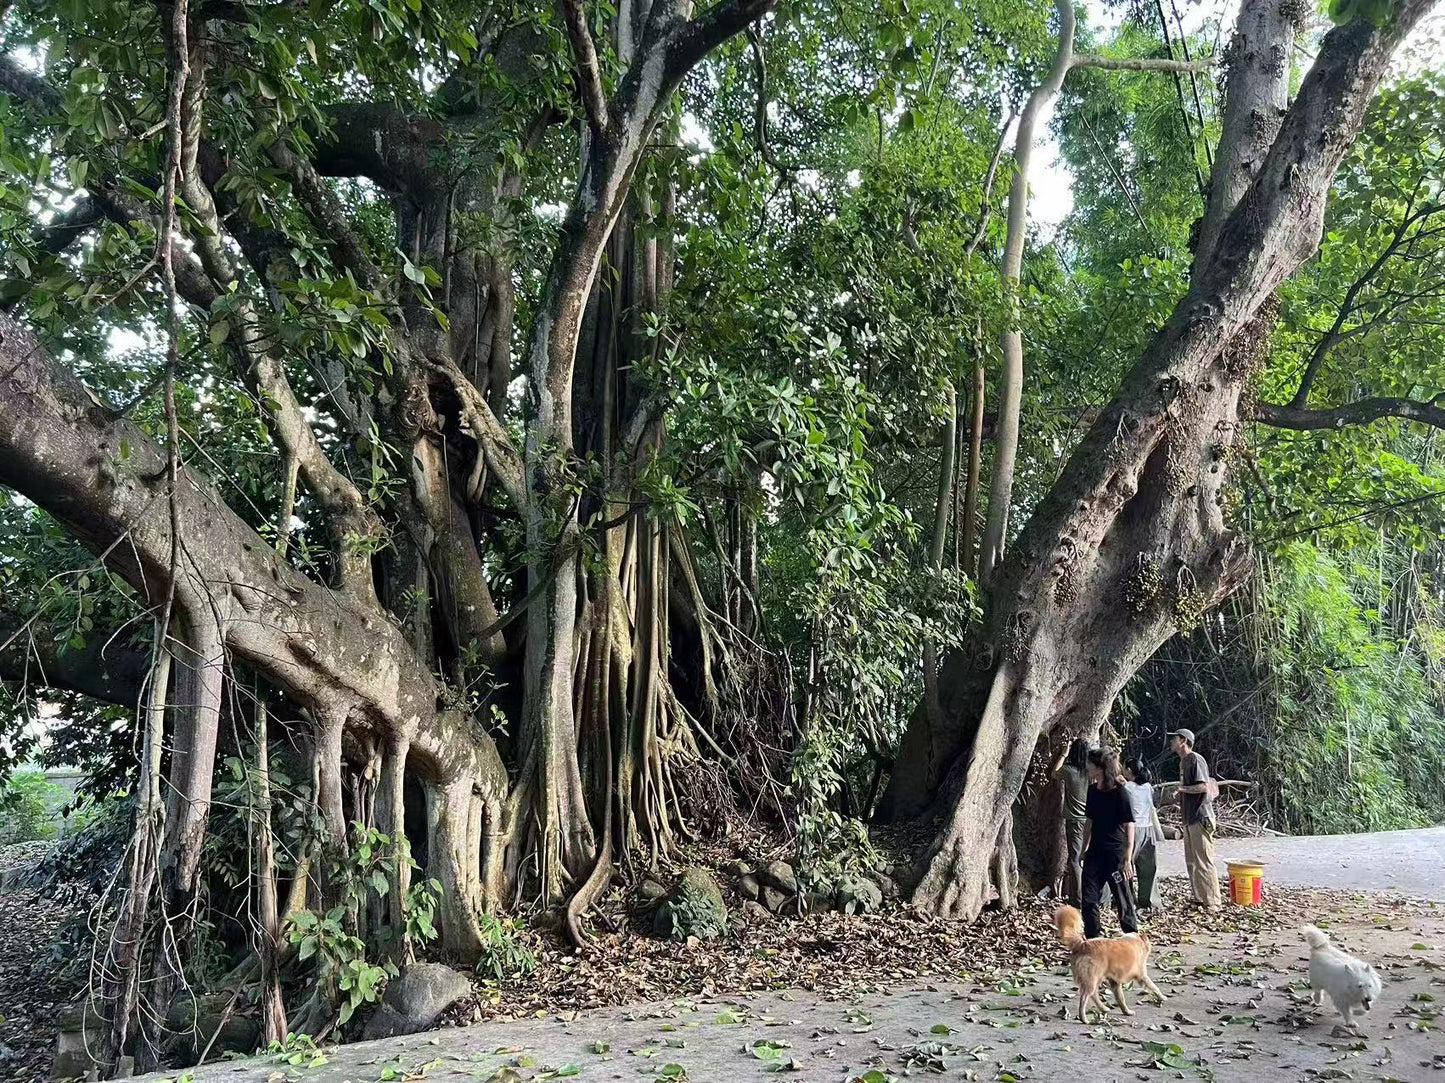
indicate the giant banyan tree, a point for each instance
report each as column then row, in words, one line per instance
column 437, row 571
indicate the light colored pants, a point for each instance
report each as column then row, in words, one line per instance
column 1199, row 860
column 1145, row 867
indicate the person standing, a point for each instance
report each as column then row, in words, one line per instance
column 1148, row 832
column 1108, row 843
column 1073, row 769
column 1196, row 802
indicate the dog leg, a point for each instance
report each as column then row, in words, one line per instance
column 1119, row 998
column 1317, row 997
column 1083, row 1007
column 1147, row 982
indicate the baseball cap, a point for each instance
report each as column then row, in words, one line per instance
column 1188, row 735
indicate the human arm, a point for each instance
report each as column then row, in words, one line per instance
column 1129, row 850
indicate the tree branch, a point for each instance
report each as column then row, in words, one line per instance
column 702, row 35
column 1010, row 270
column 492, row 439
column 103, row 669
column 104, row 478
column 1362, row 412
column 985, row 206
column 62, row 230
column 326, row 209
column 589, row 71
column 1130, row 63
column 26, row 86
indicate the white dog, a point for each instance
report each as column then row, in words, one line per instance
column 1351, row 983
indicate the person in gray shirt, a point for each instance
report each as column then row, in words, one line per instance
column 1196, row 801
column 1073, row 769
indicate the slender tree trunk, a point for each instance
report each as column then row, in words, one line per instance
column 948, row 442
column 969, row 532
column 1006, row 439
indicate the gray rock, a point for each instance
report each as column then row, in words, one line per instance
column 753, row 912
column 749, row 886
column 774, row 899
column 209, row 1025
column 414, row 1000
column 649, row 890
column 857, row 894
column 887, row 886
column 780, row 875
column 736, row 867
column 695, row 907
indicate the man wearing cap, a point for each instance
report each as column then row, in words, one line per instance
column 1197, row 805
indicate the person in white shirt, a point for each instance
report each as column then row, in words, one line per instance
column 1148, row 832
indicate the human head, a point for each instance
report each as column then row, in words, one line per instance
column 1136, row 770
column 1104, row 768
column 1079, row 754
column 1181, row 742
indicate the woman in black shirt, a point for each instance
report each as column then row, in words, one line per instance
column 1108, row 843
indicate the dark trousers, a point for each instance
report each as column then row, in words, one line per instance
column 1073, row 873
column 1100, row 870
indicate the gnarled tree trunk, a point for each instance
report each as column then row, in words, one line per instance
column 1131, row 543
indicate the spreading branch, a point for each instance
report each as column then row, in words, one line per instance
column 712, row 28
column 1350, row 304
column 1362, row 412
column 64, row 453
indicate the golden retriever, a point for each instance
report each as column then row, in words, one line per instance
column 1117, row 960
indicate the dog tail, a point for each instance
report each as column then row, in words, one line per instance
column 1070, row 925
column 1314, row 938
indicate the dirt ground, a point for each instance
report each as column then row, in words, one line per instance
column 1237, row 1010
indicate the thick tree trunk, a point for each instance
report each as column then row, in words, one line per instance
column 1137, row 514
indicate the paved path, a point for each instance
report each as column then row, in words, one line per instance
column 1237, row 1013
column 1238, row 1008
column 1410, row 862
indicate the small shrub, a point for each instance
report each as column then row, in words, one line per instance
column 505, row 955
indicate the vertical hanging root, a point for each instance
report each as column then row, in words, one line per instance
column 391, row 821
column 199, row 690
column 268, row 921
column 583, row 898
column 123, row 953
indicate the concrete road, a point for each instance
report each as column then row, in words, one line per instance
column 1409, row 862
